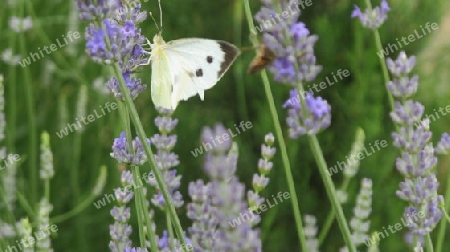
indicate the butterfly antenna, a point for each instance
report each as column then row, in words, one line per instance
column 157, row 27
column 160, row 15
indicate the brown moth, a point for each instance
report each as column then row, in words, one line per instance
column 263, row 58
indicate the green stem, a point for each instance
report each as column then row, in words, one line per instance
column 331, row 192
column 280, row 139
column 383, row 66
column 74, row 179
column 331, row 215
column 47, row 189
column 83, row 205
column 170, row 231
column 428, row 243
column 140, row 207
column 443, row 224
column 9, row 213
column 382, row 62
column 285, row 160
column 151, row 160
column 138, row 202
column 26, row 206
column 321, row 163
column 12, row 94
column 32, row 128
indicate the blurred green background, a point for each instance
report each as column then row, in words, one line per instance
column 47, row 91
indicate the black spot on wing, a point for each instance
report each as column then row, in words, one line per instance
column 199, row 72
column 231, row 52
column 209, row 59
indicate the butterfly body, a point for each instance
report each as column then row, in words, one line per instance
column 186, row 67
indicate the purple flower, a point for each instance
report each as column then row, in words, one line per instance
column 217, row 139
column 360, row 222
column 217, row 205
column 402, row 66
column 403, row 86
column 120, row 231
column 417, row 161
column 134, row 86
column 135, row 250
column 202, row 214
column 164, row 243
column 114, row 43
column 117, row 40
column 291, row 43
column 318, row 115
column 283, row 70
column 408, row 113
column 166, row 159
column 132, row 12
column 444, row 144
column 97, row 9
column 123, row 154
column 372, row 18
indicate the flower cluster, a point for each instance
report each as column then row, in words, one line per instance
column 295, row 63
column 443, row 146
column 45, row 208
column 133, row 84
column 135, row 250
column 218, row 204
column 165, row 243
column 120, row 231
column 9, row 58
column 310, row 230
column 166, row 159
column 417, row 160
column 20, row 25
column 260, row 181
column 24, row 229
column 123, row 154
column 372, row 18
column 117, row 40
column 359, row 223
column 8, row 179
column 101, row 10
column 47, row 170
column 309, row 120
column 291, row 43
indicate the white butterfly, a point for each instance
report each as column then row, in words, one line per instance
column 183, row 68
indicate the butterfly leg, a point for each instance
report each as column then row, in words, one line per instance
column 149, row 44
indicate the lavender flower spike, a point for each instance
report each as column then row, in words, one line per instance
column 117, row 40
column 291, row 43
column 123, row 154
column 166, row 159
column 121, row 230
column 372, row 18
column 103, row 9
column 417, row 161
column 311, row 233
column 318, row 113
column 444, row 144
column 218, row 204
column 135, row 250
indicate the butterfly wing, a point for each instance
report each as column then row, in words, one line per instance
column 194, row 64
column 161, row 78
